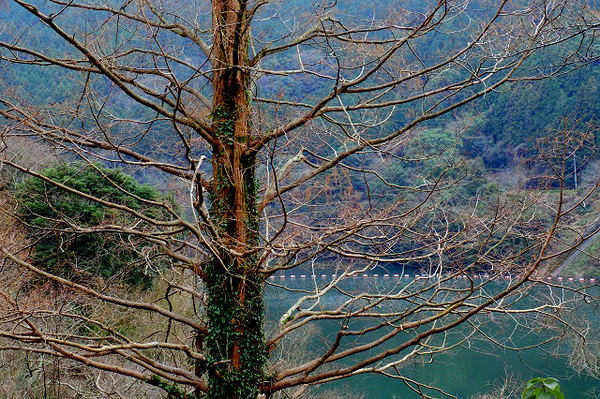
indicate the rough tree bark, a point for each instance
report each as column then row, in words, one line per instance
column 235, row 302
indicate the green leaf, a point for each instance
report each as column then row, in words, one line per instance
column 542, row 388
column 532, row 392
column 551, row 385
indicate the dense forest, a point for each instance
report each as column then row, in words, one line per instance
column 489, row 145
column 500, row 129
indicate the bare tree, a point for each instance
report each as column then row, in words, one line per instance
column 300, row 110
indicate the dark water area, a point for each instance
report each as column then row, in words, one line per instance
column 474, row 367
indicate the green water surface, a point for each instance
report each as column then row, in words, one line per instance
column 475, row 367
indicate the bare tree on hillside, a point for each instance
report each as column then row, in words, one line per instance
column 296, row 130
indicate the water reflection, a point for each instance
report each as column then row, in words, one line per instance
column 475, row 365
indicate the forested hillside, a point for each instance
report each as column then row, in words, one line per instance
column 503, row 124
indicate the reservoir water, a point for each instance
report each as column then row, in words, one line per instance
column 476, row 365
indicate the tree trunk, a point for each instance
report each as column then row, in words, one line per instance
column 235, row 343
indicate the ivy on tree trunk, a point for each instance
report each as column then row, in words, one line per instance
column 235, row 345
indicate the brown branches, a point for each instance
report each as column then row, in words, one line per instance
column 321, row 157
